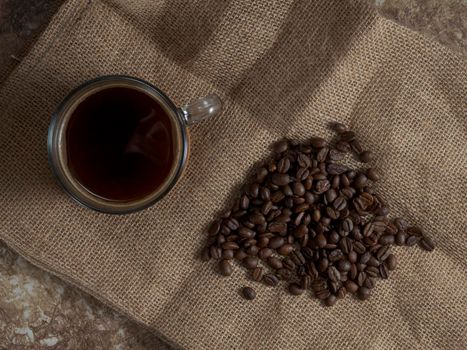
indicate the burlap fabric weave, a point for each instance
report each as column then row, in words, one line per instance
column 283, row 68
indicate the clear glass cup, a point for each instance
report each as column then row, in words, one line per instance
column 182, row 117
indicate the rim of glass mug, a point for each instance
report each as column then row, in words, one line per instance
column 180, row 117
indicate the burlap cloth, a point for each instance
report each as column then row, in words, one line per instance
column 283, row 68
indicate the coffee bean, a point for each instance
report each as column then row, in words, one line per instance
column 228, row 254
column 253, row 190
column 275, row 263
column 303, row 160
column 261, row 175
column 343, row 146
column 215, row 252
column 230, row 245
column 338, row 127
column 277, row 227
column 373, row 174
column 401, row 224
column 250, row 262
column 387, row 240
column 248, row 293
column 391, row 262
column 336, row 169
column 383, row 253
column 427, row 243
column 351, row 286
column 361, row 278
column 285, row 249
column 365, row 156
column 344, row 265
column 276, row 242
column 264, row 253
column 400, row 238
column 360, row 181
column 246, row 232
column 335, row 255
column 284, row 274
column 252, row 250
column 359, row 247
column 331, row 300
column 283, row 165
column 320, row 240
column 347, row 225
column 333, row 274
column 280, row 179
column 317, row 142
column 369, row 283
column 214, row 228
column 363, row 293
column 383, row 271
column 270, row 280
column 225, row 268
column 412, row 240
column 240, row 254
column 297, row 257
column 322, row 186
column 257, row 274
column 347, row 136
column 356, row 146
column 373, row 261
column 372, row 271
column 295, row 289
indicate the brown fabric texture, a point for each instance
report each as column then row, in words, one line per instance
column 283, row 69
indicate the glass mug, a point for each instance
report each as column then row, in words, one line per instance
column 118, row 144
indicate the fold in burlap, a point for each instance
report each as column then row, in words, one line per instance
column 283, row 68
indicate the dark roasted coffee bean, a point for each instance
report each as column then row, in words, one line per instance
column 310, row 198
column 360, row 181
column 264, row 253
column 250, row 262
column 373, row 261
column 228, row 254
column 230, row 245
column 246, row 232
column 414, row 231
column 276, row 197
column 359, row 247
column 253, row 190
column 205, row 254
column 298, row 258
column 322, row 154
column 330, row 301
column 322, row 186
column 281, row 146
column 372, row 271
column 275, row 263
column 346, row 245
column 412, row 240
column 240, row 254
column 383, row 253
column 427, row 243
column 335, row 255
column 322, row 294
column 336, row 169
column 280, row 179
column 257, row 274
column 214, row 228
column 336, row 155
column 347, row 136
column 361, row 267
column 270, row 280
column 340, row 203
column 284, row 274
column 401, row 224
column 343, row 146
column 387, row 239
column 361, row 278
column 248, row 293
column 356, row 146
column 305, row 282
column 369, row 283
column 373, row 174
column 334, row 286
column 215, row 252
column 244, row 202
column 347, row 225
column 320, row 240
column 317, row 142
column 364, row 258
column 298, row 189
column 283, row 165
column 295, row 289
column 339, row 127
column 363, row 293
column 287, row 190
column 353, row 271
column 276, row 242
column 289, row 264
column 285, row 249
column 344, row 265
column 261, row 175
column 351, row 286
column 400, row 238
column 391, row 262
column 365, row 156
column 333, row 274
column 225, row 268
column 252, row 250
column 352, row 256
column 341, row 293
column 383, row 271
column 225, row 230
column 303, row 160
column 277, row 227
column 323, row 265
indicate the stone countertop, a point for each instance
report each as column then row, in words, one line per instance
column 38, row 310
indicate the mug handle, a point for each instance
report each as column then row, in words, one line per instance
column 203, row 108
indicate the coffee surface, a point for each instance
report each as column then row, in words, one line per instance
column 120, row 144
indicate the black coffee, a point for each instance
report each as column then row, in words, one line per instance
column 120, row 144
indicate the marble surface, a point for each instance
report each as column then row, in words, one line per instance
column 39, row 311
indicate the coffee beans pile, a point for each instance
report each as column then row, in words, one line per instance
column 312, row 221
